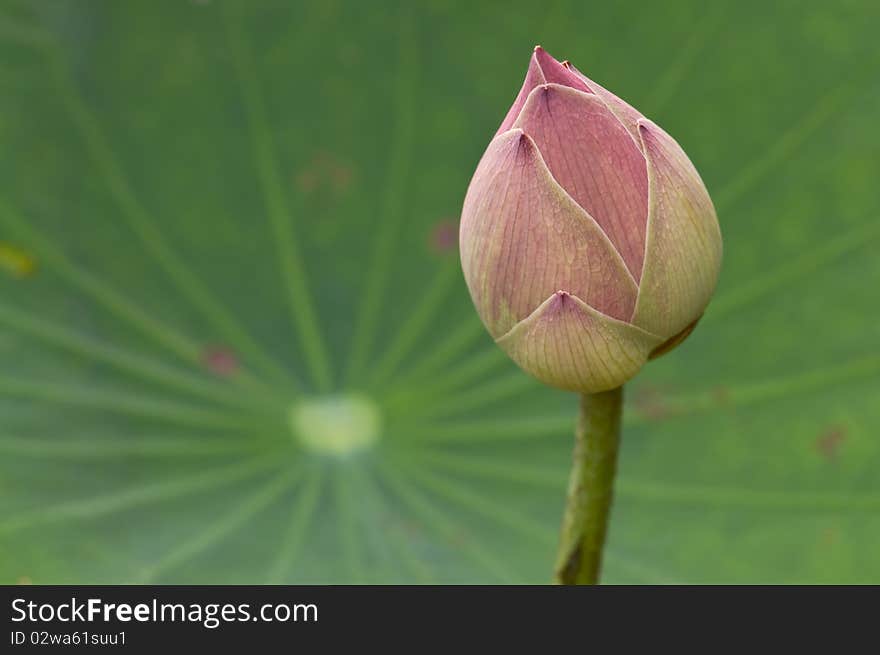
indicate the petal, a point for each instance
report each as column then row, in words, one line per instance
column 522, row 238
column 556, row 72
column 543, row 68
column 593, row 157
column 534, row 77
column 567, row 344
column 683, row 253
column 627, row 114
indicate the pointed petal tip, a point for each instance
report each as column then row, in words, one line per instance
column 558, row 72
column 520, row 141
column 558, row 302
column 647, row 128
column 646, row 135
column 545, row 58
column 515, row 135
column 542, row 92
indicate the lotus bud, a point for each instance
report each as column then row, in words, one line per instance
column 588, row 240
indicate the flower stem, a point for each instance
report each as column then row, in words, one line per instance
column 590, row 488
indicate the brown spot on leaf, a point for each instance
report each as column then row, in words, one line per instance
column 325, row 172
column 220, row 360
column 651, row 403
column 307, row 181
column 829, row 442
column 443, row 237
column 24, row 580
column 340, row 178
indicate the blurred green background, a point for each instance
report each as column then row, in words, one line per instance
column 237, row 348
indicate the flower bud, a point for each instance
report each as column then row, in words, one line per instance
column 588, row 240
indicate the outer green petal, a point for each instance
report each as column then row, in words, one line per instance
column 683, row 244
column 567, row 344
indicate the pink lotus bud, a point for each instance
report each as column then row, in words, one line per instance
column 588, row 240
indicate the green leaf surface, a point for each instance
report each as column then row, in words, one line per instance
column 237, row 348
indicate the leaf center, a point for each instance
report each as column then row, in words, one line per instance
column 336, row 425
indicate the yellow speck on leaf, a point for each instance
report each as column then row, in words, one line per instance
column 16, row 261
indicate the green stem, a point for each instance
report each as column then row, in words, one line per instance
column 590, row 488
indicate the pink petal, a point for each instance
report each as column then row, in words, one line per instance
column 556, row 72
column 627, row 114
column 523, row 237
column 534, row 77
column 567, row 344
column 593, row 158
column 683, row 254
column 542, row 69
